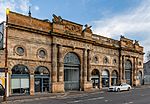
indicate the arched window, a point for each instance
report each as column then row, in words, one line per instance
column 71, row 58
column 106, row 61
column 95, row 59
column 20, row 80
column 95, row 78
column 105, row 78
column 114, row 77
column 41, row 70
column 128, row 64
column 71, row 71
column 128, row 71
column 114, row 61
column 42, row 79
column 20, row 69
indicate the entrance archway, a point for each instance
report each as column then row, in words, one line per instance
column 140, row 77
column 95, row 78
column 128, row 72
column 41, row 79
column 105, row 78
column 71, row 71
column 20, row 80
column 114, row 78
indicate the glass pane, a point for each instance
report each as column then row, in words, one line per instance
column 42, row 70
column 37, row 84
column 45, row 84
column 71, row 58
column 20, row 69
column 25, row 83
column 15, row 83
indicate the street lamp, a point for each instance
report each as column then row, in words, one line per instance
column 6, row 53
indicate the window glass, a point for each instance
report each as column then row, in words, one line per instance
column 42, row 53
column 20, row 51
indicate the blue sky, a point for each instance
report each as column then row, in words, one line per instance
column 110, row 18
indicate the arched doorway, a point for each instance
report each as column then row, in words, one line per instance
column 71, row 72
column 95, row 78
column 128, row 72
column 20, row 80
column 114, row 78
column 105, row 78
column 42, row 79
column 140, row 77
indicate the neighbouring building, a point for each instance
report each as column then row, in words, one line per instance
column 60, row 55
column 147, row 72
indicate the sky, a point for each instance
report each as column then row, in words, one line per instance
column 109, row 18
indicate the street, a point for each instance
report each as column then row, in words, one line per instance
column 134, row 96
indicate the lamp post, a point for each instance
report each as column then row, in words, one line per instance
column 6, row 53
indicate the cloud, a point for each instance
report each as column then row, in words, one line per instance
column 36, row 8
column 133, row 23
column 13, row 5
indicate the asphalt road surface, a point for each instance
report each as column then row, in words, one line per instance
column 134, row 96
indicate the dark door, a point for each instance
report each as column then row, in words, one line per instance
column 2, row 90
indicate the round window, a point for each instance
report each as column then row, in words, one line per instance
column 20, row 51
column 42, row 54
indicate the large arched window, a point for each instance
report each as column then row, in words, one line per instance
column 71, row 71
column 128, row 71
column 71, row 58
column 20, row 79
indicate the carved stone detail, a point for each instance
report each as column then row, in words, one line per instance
column 88, row 29
column 57, row 19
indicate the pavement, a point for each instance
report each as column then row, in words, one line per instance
column 38, row 96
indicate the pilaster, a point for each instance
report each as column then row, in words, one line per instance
column 54, row 67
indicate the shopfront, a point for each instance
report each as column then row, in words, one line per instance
column 95, row 78
column 42, row 79
column 105, row 78
column 114, row 78
column 20, row 80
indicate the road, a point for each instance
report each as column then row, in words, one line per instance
column 134, row 96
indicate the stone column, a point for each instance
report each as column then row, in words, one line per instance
column 135, row 73
column 54, row 67
column 100, row 80
column 85, row 66
column 89, row 66
column 134, row 69
column 61, row 64
column 87, row 84
column 123, row 68
column 31, row 83
column 109, row 79
column 120, row 69
column 60, row 83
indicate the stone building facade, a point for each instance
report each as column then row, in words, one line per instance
column 61, row 55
